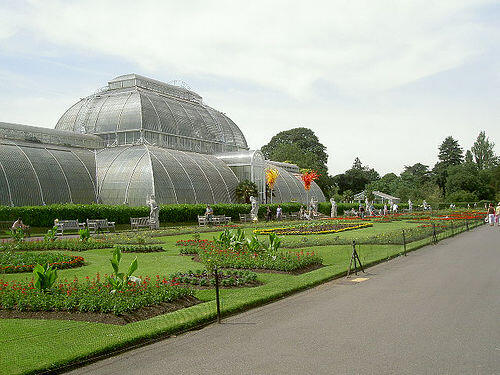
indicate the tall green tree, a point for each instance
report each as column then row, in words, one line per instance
column 302, row 147
column 450, row 153
column 482, row 149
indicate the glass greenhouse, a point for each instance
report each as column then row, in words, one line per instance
column 134, row 138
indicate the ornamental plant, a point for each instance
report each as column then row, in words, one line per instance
column 84, row 234
column 308, row 177
column 17, row 235
column 45, row 277
column 51, row 234
column 120, row 280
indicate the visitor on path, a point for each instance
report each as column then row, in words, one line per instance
column 497, row 212
column 269, row 214
column 394, row 208
column 209, row 213
column 301, row 212
column 386, row 211
column 491, row 214
column 279, row 213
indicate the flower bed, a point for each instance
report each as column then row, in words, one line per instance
column 280, row 261
column 60, row 244
column 25, row 262
column 228, row 278
column 194, row 246
column 140, row 248
column 313, row 228
column 90, row 295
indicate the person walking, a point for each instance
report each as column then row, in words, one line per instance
column 497, row 212
column 269, row 214
column 361, row 211
column 491, row 214
column 279, row 213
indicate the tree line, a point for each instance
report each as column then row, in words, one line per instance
column 456, row 177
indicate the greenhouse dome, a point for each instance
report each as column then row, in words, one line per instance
column 133, row 108
column 38, row 174
column 130, row 174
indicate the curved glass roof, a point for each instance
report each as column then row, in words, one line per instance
column 36, row 174
column 290, row 188
column 130, row 174
column 136, row 103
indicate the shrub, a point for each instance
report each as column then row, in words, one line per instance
column 15, row 262
column 280, row 261
column 206, row 278
column 140, row 249
column 90, row 295
column 60, row 244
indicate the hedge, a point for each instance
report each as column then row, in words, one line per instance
column 43, row 216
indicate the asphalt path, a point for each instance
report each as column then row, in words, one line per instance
column 436, row 311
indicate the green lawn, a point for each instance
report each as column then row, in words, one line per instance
column 31, row 345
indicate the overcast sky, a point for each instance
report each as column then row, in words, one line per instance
column 386, row 81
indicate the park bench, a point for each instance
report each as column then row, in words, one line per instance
column 202, row 220
column 220, row 219
column 63, row 225
column 100, row 225
column 245, row 218
column 140, row 222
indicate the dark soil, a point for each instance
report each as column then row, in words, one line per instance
column 106, row 318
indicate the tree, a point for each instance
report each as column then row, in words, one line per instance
column 356, row 178
column 468, row 157
column 301, row 146
column 417, row 173
column 245, row 190
column 482, row 149
column 450, row 152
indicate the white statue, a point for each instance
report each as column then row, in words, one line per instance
column 424, row 204
column 314, row 207
column 410, row 205
column 255, row 208
column 154, row 213
column 333, row 212
column 367, row 204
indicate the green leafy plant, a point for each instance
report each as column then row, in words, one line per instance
column 253, row 244
column 84, row 234
column 274, row 243
column 17, row 234
column 119, row 280
column 51, row 234
column 231, row 239
column 45, row 277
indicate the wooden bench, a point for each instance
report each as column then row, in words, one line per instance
column 202, row 220
column 220, row 219
column 100, row 225
column 63, row 225
column 245, row 218
column 140, row 222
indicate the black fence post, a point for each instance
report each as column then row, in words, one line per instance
column 217, row 298
column 467, row 224
column 434, row 236
column 452, row 229
column 404, row 241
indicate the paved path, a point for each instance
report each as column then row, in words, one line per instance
column 436, row 311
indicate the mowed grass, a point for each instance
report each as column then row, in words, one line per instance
column 32, row 345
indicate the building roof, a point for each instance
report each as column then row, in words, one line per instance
column 135, row 103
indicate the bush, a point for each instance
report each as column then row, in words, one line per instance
column 26, row 262
column 140, row 248
column 461, row 196
column 90, row 295
column 61, row 244
column 206, row 278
